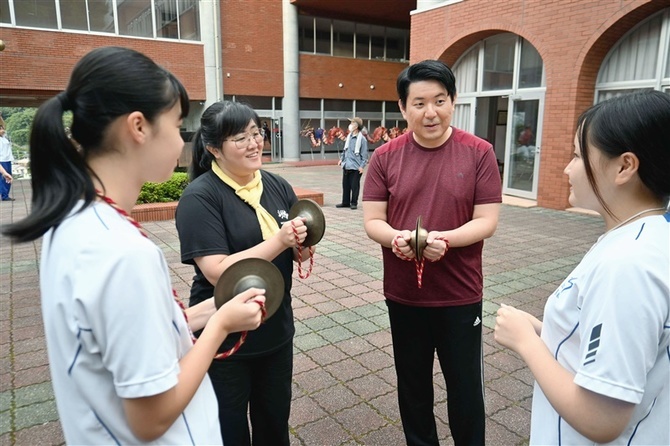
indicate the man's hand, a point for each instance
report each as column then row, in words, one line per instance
column 436, row 247
column 401, row 247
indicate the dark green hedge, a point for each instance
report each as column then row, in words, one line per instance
column 165, row 192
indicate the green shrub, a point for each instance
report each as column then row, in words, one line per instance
column 165, row 192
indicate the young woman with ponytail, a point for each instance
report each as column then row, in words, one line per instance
column 123, row 364
column 234, row 210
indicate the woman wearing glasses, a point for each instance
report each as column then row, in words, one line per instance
column 233, row 210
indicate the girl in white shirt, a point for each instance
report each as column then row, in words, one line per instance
column 601, row 358
column 123, row 364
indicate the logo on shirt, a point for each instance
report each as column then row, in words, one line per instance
column 594, row 343
column 282, row 214
column 566, row 285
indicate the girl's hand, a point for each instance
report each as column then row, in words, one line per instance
column 242, row 312
column 291, row 238
column 514, row 328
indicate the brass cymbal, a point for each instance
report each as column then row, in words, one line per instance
column 251, row 273
column 314, row 220
column 417, row 239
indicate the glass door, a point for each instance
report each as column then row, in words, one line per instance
column 522, row 156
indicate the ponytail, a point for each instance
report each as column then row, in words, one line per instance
column 59, row 174
column 201, row 160
column 105, row 84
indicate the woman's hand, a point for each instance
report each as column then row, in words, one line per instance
column 242, row 312
column 293, row 232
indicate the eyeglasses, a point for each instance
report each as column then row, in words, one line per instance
column 243, row 141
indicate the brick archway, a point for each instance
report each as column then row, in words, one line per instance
column 571, row 60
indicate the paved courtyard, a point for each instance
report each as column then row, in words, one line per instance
column 344, row 384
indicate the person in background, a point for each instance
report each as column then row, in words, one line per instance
column 6, row 158
column 526, row 136
column 234, row 210
column 526, row 144
column 5, row 175
column 450, row 178
column 123, row 364
column 600, row 356
column 353, row 160
column 266, row 133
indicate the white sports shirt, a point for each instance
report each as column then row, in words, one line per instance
column 609, row 324
column 5, row 149
column 114, row 331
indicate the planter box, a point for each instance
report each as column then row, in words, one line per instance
column 311, row 194
column 165, row 211
column 154, row 211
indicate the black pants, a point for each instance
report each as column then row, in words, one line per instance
column 456, row 334
column 263, row 387
column 351, row 186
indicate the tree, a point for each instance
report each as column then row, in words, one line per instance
column 18, row 122
column 6, row 112
column 18, row 125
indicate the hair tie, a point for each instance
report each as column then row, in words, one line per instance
column 77, row 146
column 64, row 100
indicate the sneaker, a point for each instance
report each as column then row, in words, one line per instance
column 341, row 205
column 353, row 207
column 9, row 199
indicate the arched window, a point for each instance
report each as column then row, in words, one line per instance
column 504, row 62
column 639, row 61
column 500, row 97
column 465, row 71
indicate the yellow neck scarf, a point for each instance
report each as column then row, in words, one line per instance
column 251, row 194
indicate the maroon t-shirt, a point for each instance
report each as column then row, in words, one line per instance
column 442, row 185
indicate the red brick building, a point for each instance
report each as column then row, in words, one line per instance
column 296, row 65
column 538, row 64
column 525, row 68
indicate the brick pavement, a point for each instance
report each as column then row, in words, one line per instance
column 344, row 382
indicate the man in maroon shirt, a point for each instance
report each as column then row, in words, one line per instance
column 451, row 179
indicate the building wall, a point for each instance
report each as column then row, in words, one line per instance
column 573, row 38
column 320, row 77
column 252, row 53
column 39, row 62
column 252, row 47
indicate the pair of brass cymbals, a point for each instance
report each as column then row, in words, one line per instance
column 259, row 273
